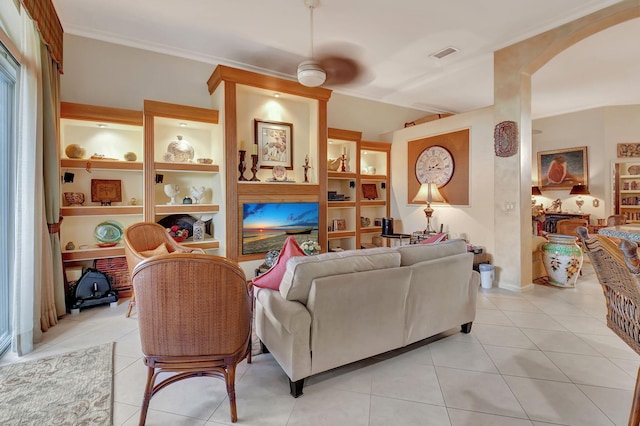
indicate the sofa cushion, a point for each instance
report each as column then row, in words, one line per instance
column 415, row 253
column 301, row 271
column 435, row 238
column 272, row 278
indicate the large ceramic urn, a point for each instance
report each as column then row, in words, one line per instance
column 562, row 258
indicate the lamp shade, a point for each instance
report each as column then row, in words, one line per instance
column 429, row 193
column 579, row 189
column 535, row 190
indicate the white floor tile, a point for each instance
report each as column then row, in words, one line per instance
column 556, row 402
column 516, row 367
column 387, row 411
column 614, row 403
column 525, row 363
column 592, row 370
column 475, row 391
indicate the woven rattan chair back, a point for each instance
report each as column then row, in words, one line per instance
column 569, row 226
column 144, row 236
column 618, row 270
column 194, row 316
column 616, row 219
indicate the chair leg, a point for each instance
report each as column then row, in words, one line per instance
column 634, row 416
column 230, row 378
column 132, row 302
column 148, row 391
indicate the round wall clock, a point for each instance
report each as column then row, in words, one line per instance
column 434, row 164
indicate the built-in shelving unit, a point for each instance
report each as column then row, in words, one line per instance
column 628, row 191
column 107, row 132
column 243, row 97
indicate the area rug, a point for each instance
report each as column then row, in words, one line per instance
column 75, row 388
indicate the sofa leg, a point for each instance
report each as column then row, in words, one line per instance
column 296, row 387
column 263, row 348
column 466, row 328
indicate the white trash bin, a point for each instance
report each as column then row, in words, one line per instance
column 487, row 275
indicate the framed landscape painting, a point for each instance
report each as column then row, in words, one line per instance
column 562, row 168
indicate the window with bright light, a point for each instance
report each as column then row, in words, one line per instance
column 8, row 106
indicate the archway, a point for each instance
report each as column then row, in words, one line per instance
column 513, row 67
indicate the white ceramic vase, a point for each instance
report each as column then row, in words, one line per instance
column 172, row 190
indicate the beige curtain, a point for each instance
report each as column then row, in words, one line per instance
column 52, row 291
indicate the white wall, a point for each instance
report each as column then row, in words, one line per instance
column 600, row 130
column 474, row 222
column 106, row 74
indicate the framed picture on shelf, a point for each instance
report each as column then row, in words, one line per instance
column 339, row 225
column 369, row 191
column 562, row 168
column 274, row 142
column 106, row 191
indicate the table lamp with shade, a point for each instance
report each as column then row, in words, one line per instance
column 535, row 190
column 579, row 190
column 429, row 193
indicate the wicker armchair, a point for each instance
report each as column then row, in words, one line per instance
column 618, row 270
column 140, row 240
column 194, row 315
column 616, row 219
column 569, row 226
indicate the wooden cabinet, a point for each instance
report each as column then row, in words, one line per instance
column 168, row 126
column 343, row 150
column 375, row 187
column 245, row 97
column 628, row 191
column 108, row 133
column 362, row 190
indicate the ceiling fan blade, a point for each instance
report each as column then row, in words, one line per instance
column 340, row 70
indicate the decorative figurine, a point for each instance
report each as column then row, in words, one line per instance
column 306, row 168
column 171, row 190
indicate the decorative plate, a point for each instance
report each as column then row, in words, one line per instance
column 279, row 173
column 108, row 232
column 104, row 245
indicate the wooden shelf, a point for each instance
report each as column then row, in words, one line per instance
column 206, row 244
column 92, row 253
column 76, row 163
column 366, row 203
column 373, row 177
column 187, row 167
column 629, row 206
column 630, row 191
column 629, row 176
column 341, row 234
column 100, row 210
column 341, row 204
column 371, row 229
column 186, row 208
column 342, row 175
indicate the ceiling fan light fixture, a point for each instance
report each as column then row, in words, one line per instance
column 311, row 74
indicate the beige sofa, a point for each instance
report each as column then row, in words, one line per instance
column 347, row 306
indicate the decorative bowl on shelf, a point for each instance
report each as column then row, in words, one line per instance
column 74, row 198
column 205, row 160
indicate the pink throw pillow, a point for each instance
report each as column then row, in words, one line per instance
column 271, row 279
column 435, row 238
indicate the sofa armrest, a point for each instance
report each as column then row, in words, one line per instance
column 292, row 316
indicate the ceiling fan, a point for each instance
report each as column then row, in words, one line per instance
column 334, row 69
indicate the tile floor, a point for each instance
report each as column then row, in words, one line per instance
column 539, row 357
